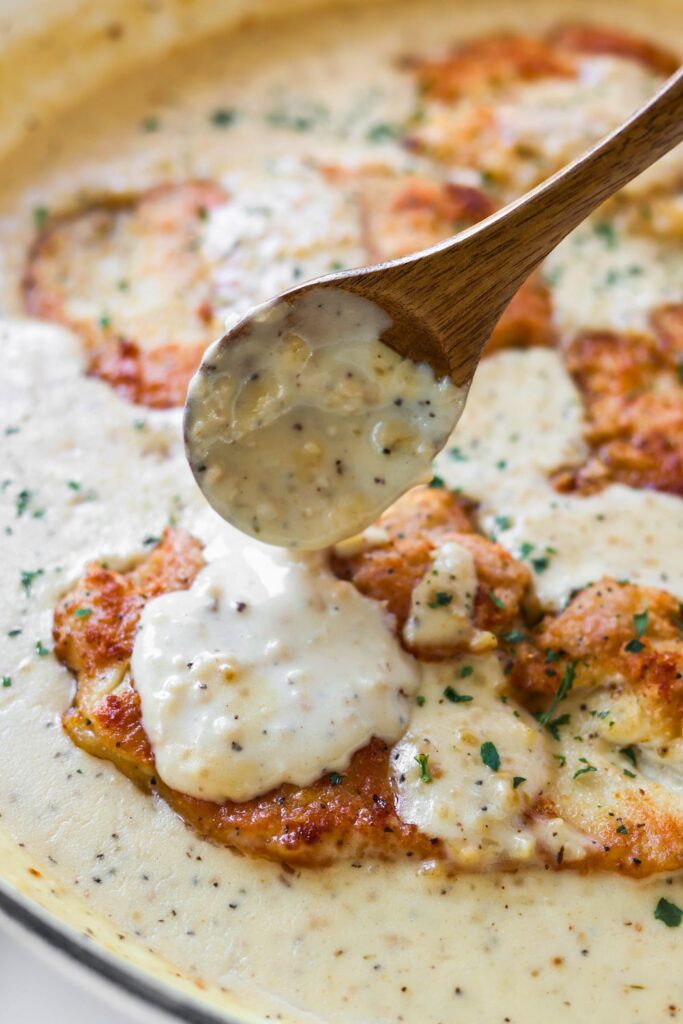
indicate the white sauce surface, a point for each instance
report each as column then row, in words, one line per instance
column 522, row 421
column 302, row 429
column 375, row 943
column 267, row 670
column 475, row 808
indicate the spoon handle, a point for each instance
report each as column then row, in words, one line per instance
column 532, row 226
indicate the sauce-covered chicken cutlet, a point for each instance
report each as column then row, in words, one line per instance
column 128, row 275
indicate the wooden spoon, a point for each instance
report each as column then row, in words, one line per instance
column 445, row 301
column 441, row 306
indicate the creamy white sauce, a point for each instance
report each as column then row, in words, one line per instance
column 476, row 808
column 306, row 426
column 354, row 943
column 523, row 420
column 442, row 602
column 267, row 670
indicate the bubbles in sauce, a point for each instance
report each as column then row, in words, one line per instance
column 306, row 426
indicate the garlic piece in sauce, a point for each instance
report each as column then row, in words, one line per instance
column 306, row 426
column 267, row 670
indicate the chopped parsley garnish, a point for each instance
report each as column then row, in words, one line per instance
column 634, row 646
column 668, row 913
column 6, row 681
column 23, row 499
column 466, row 671
column 640, row 620
column 336, row 779
column 73, row 485
column 587, row 767
column 105, row 321
column 150, row 124
column 41, row 650
column 540, row 564
column 514, row 636
column 13, row 632
column 381, row 132
column 497, row 601
column 503, row 522
column 551, row 656
column 490, row 756
column 607, row 233
column 224, row 117
column 556, row 724
column 517, row 781
column 436, row 481
column 28, row 576
column 150, row 540
column 502, row 464
column 421, row 700
column 561, row 759
column 560, row 693
column 525, row 549
column 600, row 714
column 451, row 694
column 630, row 753
column 440, row 600
column 83, row 613
column 40, row 215
column 622, row 830
column 423, row 764
column 457, row 454
column 631, row 775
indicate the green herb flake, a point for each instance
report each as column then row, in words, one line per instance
column 423, row 764
column 451, row 694
column 501, row 464
column 640, row 620
column 622, row 830
column 83, row 613
column 336, row 779
column 150, row 124
column 634, row 646
column 587, row 767
column 563, row 689
column 561, row 759
column 517, row 781
column 13, row 632
column 23, row 501
column 421, row 700
column 503, row 522
column 551, row 656
column 150, row 540
column 436, row 482
column 555, row 724
column 630, row 753
column 40, row 216
column 28, row 577
column 496, row 600
column 540, row 564
column 668, row 913
column 381, row 132
column 73, row 485
column 607, row 233
column 631, row 775
column 525, row 549
column 105, row 321
column 457, row 455
column 41, row 650
column 513, row 636
column 466, row 671
column 440, row 600
column 6, row 681
column 490, row 756
column 224, row 117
